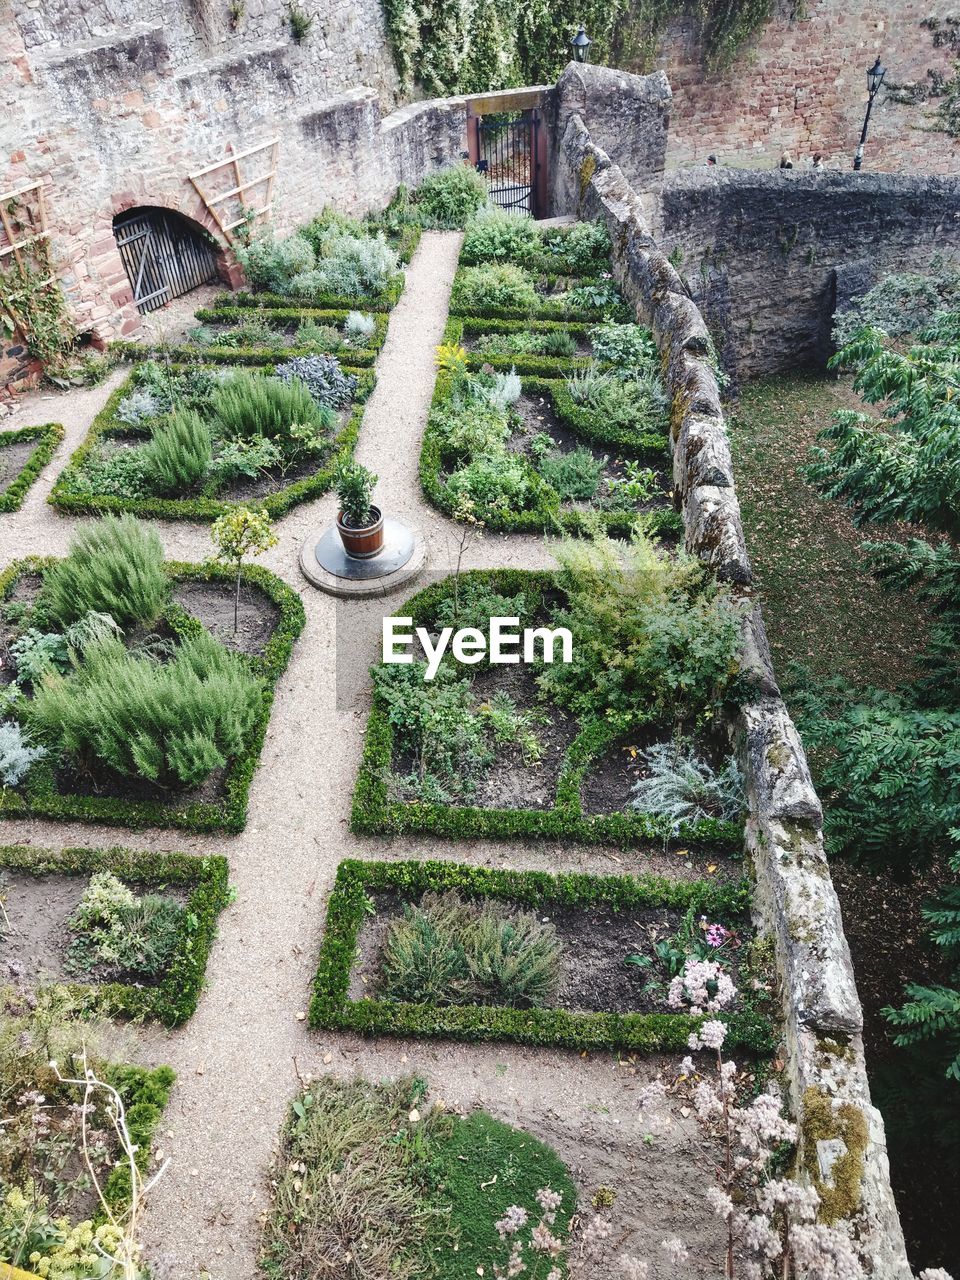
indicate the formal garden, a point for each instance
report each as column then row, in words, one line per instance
column 447, row 967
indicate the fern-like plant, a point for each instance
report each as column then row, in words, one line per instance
column 682, row 786
column 16, row 755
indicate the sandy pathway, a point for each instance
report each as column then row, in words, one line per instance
column 240, row 1057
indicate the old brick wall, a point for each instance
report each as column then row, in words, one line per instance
column 801, row 86
column 112, row 104
column 767, row 255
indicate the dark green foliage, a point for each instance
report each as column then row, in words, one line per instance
column 114, row 566
column 494, row 285
column 500, row 235
column 447, row 950
column 172, row 722
column 354, row 484
column 247, row 405
column 575, row 474
column 179, row 453
column 116, row 932
column 175, row 997
column 447, row 199
column 356, row 881
column 47, row 438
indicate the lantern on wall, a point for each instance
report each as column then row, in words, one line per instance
column 580, row 44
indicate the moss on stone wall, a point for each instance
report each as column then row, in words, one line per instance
column 822, row 1122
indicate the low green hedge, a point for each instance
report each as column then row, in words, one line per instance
column 374, row 813
column 175, row 998
column 385, row 301
column 39, row 796
column 145, row 1092
column 47, row 438
column 331, row 1008
column 459, row 327
column 547, row 309
column 546, row 514
column 65, row 497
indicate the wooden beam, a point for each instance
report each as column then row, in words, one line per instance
column 241, row 155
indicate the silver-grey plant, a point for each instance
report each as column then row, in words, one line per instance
column 684, row 787
column 16, row 756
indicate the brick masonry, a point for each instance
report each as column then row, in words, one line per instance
column 801, row 86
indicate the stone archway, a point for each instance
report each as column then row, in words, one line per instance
column 165, row 254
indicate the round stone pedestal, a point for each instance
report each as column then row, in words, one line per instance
column 326, row 565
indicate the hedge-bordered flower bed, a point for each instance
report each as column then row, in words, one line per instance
column 175, row 998
column 331, row 1008
column 458, row 326
column 547, row 310
column 546, row 515
column 39, row 797
column 385, row 301
column 47, row 437
column 374, row 813
column 194, row 353
column 66, row 498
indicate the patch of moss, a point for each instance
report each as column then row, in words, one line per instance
column 588, row 168
column 822, row 1122
column 834, row 1049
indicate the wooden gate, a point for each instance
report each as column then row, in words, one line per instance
column 163, row 255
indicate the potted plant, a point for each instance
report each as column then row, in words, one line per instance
column 359, row 522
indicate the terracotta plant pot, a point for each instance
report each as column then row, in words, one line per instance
column 365, row 542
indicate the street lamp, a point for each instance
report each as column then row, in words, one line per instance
column 874, row 81
column 581, row 42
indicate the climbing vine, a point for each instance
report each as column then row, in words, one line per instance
column 473, row 46
column 31, row 300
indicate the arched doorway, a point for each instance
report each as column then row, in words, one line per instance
column 164, row 254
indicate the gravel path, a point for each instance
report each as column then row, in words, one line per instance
column 241, row 1057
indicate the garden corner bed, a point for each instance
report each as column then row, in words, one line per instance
column 152, row 720
column 611, row 939
column 23, row 454
column 126, row 933
column 494, row 752
column 191, row 442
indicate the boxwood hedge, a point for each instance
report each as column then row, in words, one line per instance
column 375, row 813
column 67, row 497
column 39, row 795
column 460, row 327
column 331, row 1007
column 548, row 309
column 175, row 997
column 47, row 437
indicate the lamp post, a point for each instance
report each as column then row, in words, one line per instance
column 874, row 81
column 580, row 43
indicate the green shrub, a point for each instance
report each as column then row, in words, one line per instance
column 179, row 454
column 270, row 264
column 120, row 471
column 554, row 342
column 120, row 933
column 901, row 303
column 449, row 950
column 325, row 338
column 655, row 637
column 575, row 474
column 497, row 235
column 629, row 346
column 349, row 266
column 495, row 483
column 114, row 566
column 495, row 285
column 172, row 722
column 638, row 403
column 680, row 785
column 447, row 199
column 579, row 250
column 247, row 405
column 470, row 428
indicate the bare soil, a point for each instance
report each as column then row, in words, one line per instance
column 13, row 458
column 610, row 779
column 212, row 603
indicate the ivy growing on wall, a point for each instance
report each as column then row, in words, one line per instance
column 472, row 46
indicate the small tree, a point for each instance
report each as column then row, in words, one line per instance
column 242, row 531
column 354, row 485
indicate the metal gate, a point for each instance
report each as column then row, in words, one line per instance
column 508, row 157
column 163, row 255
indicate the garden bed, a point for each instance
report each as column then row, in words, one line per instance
column 504, row 344
column 62, row 784
column 521, row 765
column 96, row 481
column 547, row 297
column 23, row 454
column 41, row 890
column 603, row 920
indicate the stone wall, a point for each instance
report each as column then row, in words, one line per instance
column 111, row 109
column 801, row 86
column 768, row 256
column 795, row 903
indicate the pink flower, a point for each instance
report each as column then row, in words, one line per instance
column 512, row 1221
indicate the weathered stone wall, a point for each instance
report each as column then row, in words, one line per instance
column 795, row 902
column 111, row 108
column 801, row 86
column 767, row 256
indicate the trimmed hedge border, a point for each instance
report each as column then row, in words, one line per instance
column 48, row 437
column 330, row 1007
column 275, row 504
column 191, row 353
column 39, row 797
column 385, row 301
column 175, row 999
column 373, row 813
column 536, row 366
column 547, row 516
